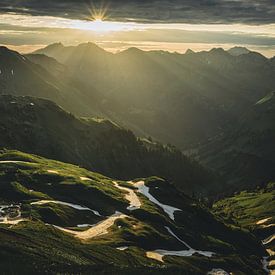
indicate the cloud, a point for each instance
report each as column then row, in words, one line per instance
column 155, row 11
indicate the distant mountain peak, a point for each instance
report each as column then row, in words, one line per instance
column 3, row 49
column 51, row 47
column 217, row 50
column 237, row 51
column 6, row 51
column 133, row 50
column 189, row 51
column 56, row 45
column 89, row 44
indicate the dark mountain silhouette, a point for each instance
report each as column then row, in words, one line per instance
column 41, row 127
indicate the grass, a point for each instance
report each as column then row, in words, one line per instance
column 38, row 246
column 246, row 208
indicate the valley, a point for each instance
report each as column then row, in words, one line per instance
column 91, row 179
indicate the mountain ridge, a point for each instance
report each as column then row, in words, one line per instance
column 41, row 127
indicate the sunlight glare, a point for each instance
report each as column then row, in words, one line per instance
column 98, row 25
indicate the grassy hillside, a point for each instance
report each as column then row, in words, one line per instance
column 247, row 207
column 41, row 127
column 36, row 243
column 254, row 210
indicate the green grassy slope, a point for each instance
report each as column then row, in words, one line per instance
column 35, row 245
column 254, row 210
column 247, row 207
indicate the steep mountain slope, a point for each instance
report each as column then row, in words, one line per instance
column 56, row 217
column 245, row 155
column 255, row 210
column 192, row 96
column 20, row 76
column 48, row 63
column 41, row 127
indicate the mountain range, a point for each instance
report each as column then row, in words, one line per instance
column 150, row 162
column 199, row 102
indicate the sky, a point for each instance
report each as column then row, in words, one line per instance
column 115, row 25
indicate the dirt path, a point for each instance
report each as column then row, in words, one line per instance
column 97, row 230
column 131, row 196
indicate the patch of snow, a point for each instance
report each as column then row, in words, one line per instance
column 122, row 248
column 176, row 237
column 265, row 265
column 85, row 178
column 269, row 225
column 75, row 206
column 53, row 172
column 83, row 225
column 159, row 253
column 193, row 251
column 14, row 161
column 145, row 190
column 31, row 104
column 96, row 213
column 217, row 271
column 268, row 239
column 130, row 196
column 263, row 221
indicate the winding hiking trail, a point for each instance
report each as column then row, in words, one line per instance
column 99, row 229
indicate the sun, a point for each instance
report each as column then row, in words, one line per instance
column 99, row 22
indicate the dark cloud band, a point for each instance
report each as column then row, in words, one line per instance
column 158, row 11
